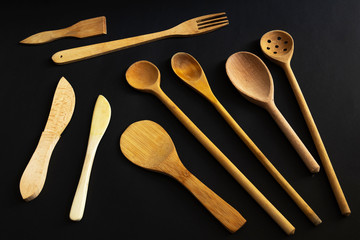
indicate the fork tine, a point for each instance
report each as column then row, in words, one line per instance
column 214, row 20
column 214, row 25
column 210, row 16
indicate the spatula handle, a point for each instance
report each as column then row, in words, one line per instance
column 33, row 178
column 325, row 160
column 291, row 135
column 228, row 165
column 221, row 210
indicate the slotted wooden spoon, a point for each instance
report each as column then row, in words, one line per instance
column 278, row 46
column 147, row 144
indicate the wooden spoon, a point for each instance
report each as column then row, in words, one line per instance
column 100, row 121
column 190, row 71
column 145, row 76
column 278, row 46
column 147, row 144
column 253, row 80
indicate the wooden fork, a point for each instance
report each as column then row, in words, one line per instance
column 192, row 27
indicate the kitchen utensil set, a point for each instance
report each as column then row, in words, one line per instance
column 145, row 76
column 189, row 70
column 147, row 144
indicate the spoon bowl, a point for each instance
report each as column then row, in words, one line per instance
column 186, row 67
column 251, row 77
column 277, row 45
column 190, row 71
column 143, row 75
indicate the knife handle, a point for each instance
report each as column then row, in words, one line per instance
column 79, row 201
column 33, row 178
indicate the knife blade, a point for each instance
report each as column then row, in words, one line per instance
column 62, row 108
column 85, row 28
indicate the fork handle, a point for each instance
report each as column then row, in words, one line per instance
column 94, row 50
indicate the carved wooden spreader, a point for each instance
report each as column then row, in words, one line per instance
column 62, row 108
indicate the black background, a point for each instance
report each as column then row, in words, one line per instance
column 128, row 202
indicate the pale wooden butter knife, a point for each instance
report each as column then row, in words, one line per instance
column 100, row 121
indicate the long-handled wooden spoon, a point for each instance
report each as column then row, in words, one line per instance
column 148, row 145
column 253, row 80
column 100, row 121
column 278, row 46
column 190, row 71
column 145, row 76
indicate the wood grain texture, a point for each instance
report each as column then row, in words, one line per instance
column 62, row 108
column 191, row 27
column 285, row 43
column 85, row 28
column 145, row 76
column 147, row 144
column 250, row 76
column 100, row 121
column 190, row 71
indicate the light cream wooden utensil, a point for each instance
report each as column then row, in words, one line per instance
column 85, row 28
column 278, row 46
column 145, row 76
column 192, row 27
column 62, row 108
column 100, row 121
column 148, row 145
column 253, row 80
column 189, row 70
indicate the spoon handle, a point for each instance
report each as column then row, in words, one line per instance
column 227, row 164
column 291, row 135
column 325, row 160
column 221, row 210
column 305, row 208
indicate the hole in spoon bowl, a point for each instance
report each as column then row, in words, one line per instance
column 276, row 43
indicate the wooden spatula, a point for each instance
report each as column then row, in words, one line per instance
column 147, row 144
column 85, row 28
